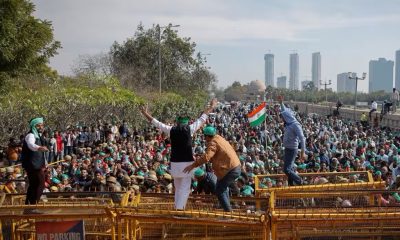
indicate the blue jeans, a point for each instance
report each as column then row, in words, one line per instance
column 222, row 190
column 290, row 156
column 68, row 150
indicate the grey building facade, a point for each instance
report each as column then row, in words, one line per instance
column 294, row 72
column 344, row 84
column 281, row 83
column 269, row 70
column 316, row 69
column 397, row 70
column 381, row 75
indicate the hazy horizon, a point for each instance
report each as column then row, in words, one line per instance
column 237, row 34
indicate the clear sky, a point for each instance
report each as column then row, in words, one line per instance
column 237, row 34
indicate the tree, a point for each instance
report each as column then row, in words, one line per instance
column 93, row 65
column 26, row 43
column 135, row 62
column 235, row 92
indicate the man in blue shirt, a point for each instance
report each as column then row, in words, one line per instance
column 293, row 135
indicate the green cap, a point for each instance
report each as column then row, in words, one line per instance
column 64, row 176
column 396, row 196
column 209, row 131
column 302, row 166
column 160, row 171
column 262, row 185
column 198, row 172
column 55, row 180
column 370, row 167
column 182, row 120
column 247, row 190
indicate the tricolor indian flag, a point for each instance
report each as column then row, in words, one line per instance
column 257, row 116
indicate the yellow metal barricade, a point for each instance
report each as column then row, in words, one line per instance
column 333, row 210
column 346, row 214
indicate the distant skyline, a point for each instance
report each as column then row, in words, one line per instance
column 381, row 75
column 397, row 69
column 237, row 34
column 269, row 70
column 316, row 70
column 294, row 81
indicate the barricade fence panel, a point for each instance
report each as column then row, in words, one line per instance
column 332, row 180
column 346, row 214
column 358, row 210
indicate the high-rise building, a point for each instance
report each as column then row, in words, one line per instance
column 269, row 70
column 345, row 84
column 397, row 70
column 381, row 75
column 316, row 69
column 281, row 83
column 294, row 72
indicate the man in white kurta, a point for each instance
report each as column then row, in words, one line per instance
column 181, row 150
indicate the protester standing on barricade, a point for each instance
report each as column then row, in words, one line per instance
column 293, row 135
column 33, row 160
column 225, row 163
column 181, row 150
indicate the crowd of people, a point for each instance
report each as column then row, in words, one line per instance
column 112, row 157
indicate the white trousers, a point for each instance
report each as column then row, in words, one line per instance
column 182, row 182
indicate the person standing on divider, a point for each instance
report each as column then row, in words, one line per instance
column 33, row 160
column 292, row 136
column 181, row 150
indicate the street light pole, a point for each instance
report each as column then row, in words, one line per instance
column 326, row 96
column 159, row 50
column 355, row 91
column 326, row 84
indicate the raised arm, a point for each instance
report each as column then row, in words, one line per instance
column 164, row 128
column 146, row 114
column 203, row 118
column 280, row 100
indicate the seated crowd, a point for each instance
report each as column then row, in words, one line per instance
column 119, row 158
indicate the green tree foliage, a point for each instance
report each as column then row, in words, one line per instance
column 135, row 62
column 235, row 92
column 26, row 42
column 85, row 101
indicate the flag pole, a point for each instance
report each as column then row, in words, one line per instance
column 265, row 128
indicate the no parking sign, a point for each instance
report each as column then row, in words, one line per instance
column 65, row 230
